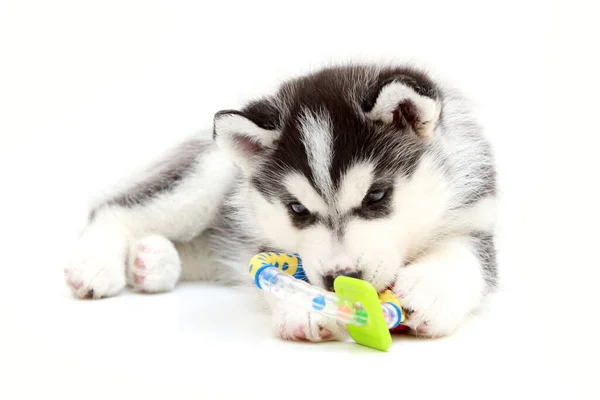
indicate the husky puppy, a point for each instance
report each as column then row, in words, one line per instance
column 377, row 172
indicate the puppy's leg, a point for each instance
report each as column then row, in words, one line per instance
column 294, row 323
column 156, row 265
column 174, row 202
column 442, row 288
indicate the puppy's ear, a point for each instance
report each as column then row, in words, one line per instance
column 247, row 135
column 404, row 102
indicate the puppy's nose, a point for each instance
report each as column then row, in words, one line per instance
column 329, row 278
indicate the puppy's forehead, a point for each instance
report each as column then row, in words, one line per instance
column 324, row 133
column 354, row 185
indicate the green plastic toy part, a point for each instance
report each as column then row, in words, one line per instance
column 375, row 333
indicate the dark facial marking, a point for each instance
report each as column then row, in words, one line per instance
column 299, row 209
column 375, row 196
column 381, row 208
column 302, row 221
column 300, row 216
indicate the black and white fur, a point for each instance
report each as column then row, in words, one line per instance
column 371, row 171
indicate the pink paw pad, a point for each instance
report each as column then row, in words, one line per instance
column 139, row 263
column 423, row 328
column 76, row 284
column 139, row 279
column 325, row 333
column 299, row 333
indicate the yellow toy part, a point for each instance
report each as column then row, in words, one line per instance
column 389, row 297
column 291, row 264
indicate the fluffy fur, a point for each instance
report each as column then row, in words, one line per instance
column 371, row 171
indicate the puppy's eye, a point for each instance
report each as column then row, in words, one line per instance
column 375, row 196
column 298, row 209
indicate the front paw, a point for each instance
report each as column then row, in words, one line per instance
column 96, row 274
column 434, row 304
column 97, row 265
column 293, row 323
column 156, row 266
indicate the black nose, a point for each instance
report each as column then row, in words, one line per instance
column 329, row 278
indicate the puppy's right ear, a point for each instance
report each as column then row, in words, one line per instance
column 246, row 135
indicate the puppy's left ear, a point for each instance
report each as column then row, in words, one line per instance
column 403, row 104
column 247, row 135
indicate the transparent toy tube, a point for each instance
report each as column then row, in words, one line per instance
column 280, row 278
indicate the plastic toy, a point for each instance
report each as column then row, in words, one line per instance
column 368, row 316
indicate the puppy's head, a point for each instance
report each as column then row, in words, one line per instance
column 337, row 169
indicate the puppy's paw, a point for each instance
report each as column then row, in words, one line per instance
column 97, row 266
column 434, row 306
column 296, row 324
column 293, row 323
column 155, row 266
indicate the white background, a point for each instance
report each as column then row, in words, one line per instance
column 92, row 90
